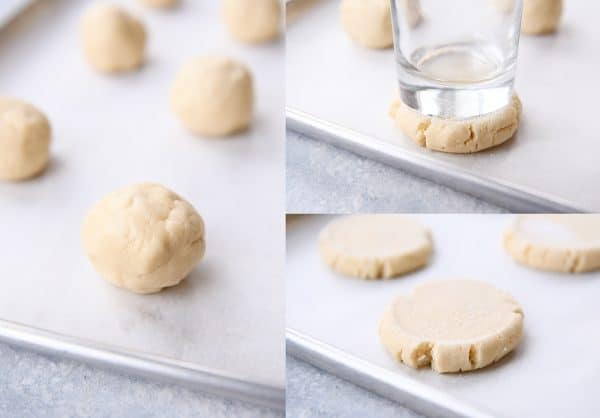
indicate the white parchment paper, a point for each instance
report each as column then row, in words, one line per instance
column 112, row 131
column 553, row 372
column 555, row 154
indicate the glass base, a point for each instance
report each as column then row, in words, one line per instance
column 457, row 80
column 456, row 103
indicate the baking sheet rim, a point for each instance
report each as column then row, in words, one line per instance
column 164, row 369
column 386, row 383
column 511, row 197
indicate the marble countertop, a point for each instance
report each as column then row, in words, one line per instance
column 314, row 393
column 32, row 385
column 324, row 179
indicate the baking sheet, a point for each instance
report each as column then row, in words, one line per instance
column 109, row 132
column 339, row 92
column 553, row 372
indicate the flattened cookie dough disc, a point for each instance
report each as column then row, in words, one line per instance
column 375, row 246
column 458, row 136
column 541, row 16
column 452, row 326
column 562, row 243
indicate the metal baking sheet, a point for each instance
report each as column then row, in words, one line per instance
column 225, row 323
column 333, row 322
column 340, row 93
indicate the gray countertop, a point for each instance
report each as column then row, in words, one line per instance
column 325, row 179
column 33, row 385
column 314, row 393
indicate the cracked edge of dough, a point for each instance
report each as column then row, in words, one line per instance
column 458, row 136
column 549, row 258
column 372, row 268
column 449, row 356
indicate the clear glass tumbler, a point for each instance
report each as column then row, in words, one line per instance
column 456, row 58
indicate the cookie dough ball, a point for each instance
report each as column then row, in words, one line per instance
column 143, row 238
column 375, row 246
column 252, row 21
column 541, row 16
column 160, row 3
column 452, row 326
column 113, row 40
column 368, row 22
column 213, row 96
column 459, row 136
column 24, row 140
column 561, row 243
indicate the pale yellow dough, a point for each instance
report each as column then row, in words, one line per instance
column 113, row 40
column 25, row 136
column 160, row 3
column 541, row 16
column 561, row 243
column 460, row 136
column 253, row 21
column 213, row 96
column 452, row 326
column 375, row 246
column 143, row 238
column 368, row 22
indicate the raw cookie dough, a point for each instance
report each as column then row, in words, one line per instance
column 112, row 39
column 452, row 326
column 375, row 246
column 213, row 96
column 458, row 136
column 562, row 243
column 541, row 16
column 368, row 22
column 24, row 140
column 160, row 3
column 143, row 238
column 252, row 21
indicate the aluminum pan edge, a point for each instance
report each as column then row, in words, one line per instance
column 504, row 195
column 145, row 365
column 395, row 386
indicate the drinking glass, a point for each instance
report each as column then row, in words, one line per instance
column 456, row 58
